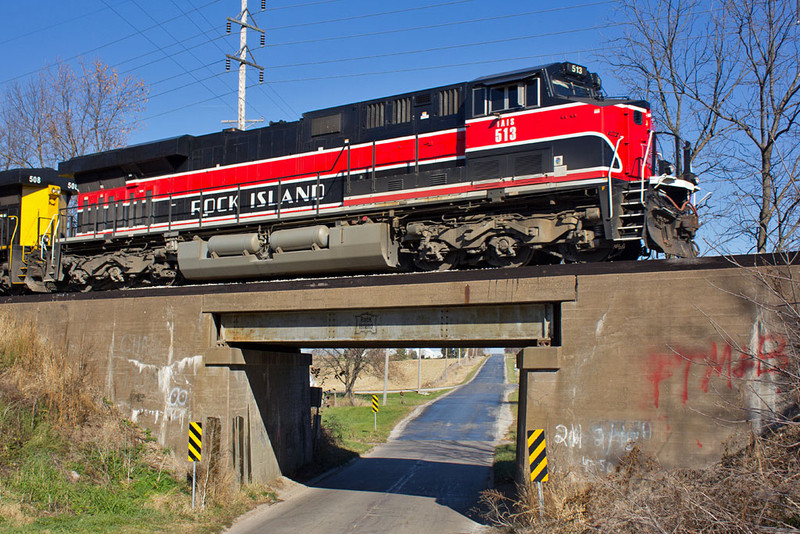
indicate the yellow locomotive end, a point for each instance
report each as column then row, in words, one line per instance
column 30, row 204
column 39, row 214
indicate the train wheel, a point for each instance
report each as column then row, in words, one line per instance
column 572, row 254
column 630, row 252
column 5, row 279
column 545, row 257
column 446, row 261
column 505, row 251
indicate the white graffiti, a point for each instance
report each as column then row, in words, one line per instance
column 135, row 414
column 597, row 466
column 136, row 345
column 177, row 397
column 572, row 437
column 604, row 436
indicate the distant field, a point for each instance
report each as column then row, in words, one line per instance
column 403, row 375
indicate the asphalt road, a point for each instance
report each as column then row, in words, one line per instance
column 427, row 479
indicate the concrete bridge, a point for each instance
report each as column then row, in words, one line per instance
column 659, row 353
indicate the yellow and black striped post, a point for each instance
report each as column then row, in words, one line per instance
column 537, row 455
column 375, row 410
column 195, row 452
column 195, row 441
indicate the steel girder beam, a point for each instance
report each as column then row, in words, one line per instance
column 508, row 324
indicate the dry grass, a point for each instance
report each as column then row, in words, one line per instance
column 403, row 375
column 52, row 380
column 755, row 490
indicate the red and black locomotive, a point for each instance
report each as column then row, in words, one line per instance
column 532, row 166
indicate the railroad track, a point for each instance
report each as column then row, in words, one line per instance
column 383, row 279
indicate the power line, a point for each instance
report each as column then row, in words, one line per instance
column 293, row 6
column 189, row 40
column 440, row 48
column 444, row 24
column 41, row 29
column 219, row 48
column 354, row 36
column 269, row 83
column 497, row 41
column 483, row 43
column 195, row 72
column 157, row 46
column 434, row 67
column 378, row 73
column 100, row 47
column 369, row 15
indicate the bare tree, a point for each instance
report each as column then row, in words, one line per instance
column 767, row 111
column 348, row 364
column 664, row 55
column 61, row 113
column 725, row 74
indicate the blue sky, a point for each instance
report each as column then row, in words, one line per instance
column 319, row 53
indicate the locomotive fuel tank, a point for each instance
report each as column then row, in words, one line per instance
column 364, row 247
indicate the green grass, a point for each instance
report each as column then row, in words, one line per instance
column 353, row 427
column 112, row 493
column 511, row 369
column 116, row 489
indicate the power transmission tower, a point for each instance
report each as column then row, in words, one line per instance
column 241, row 58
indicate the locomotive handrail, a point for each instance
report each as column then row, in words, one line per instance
column 416, row 153
column 53, row 242
column 650, row 138
column 317, row 196
column 43, row 234
column 610, row 167
column 148, row 201
column 11, row 243
column 4, row 216
column 151, row 214
column 374, row 183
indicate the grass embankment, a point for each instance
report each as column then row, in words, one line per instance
column 506, row 452
column 70, row 463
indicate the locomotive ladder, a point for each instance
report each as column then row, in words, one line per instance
column 632, row 217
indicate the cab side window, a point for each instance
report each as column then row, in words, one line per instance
column 506, row 97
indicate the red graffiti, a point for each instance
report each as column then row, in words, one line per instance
column 724, row 362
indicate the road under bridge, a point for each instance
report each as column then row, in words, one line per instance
column 663, row 354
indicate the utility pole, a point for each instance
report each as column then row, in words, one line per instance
column 419, row 370
column 241, row 58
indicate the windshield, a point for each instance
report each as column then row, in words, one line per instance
column 569, row 89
